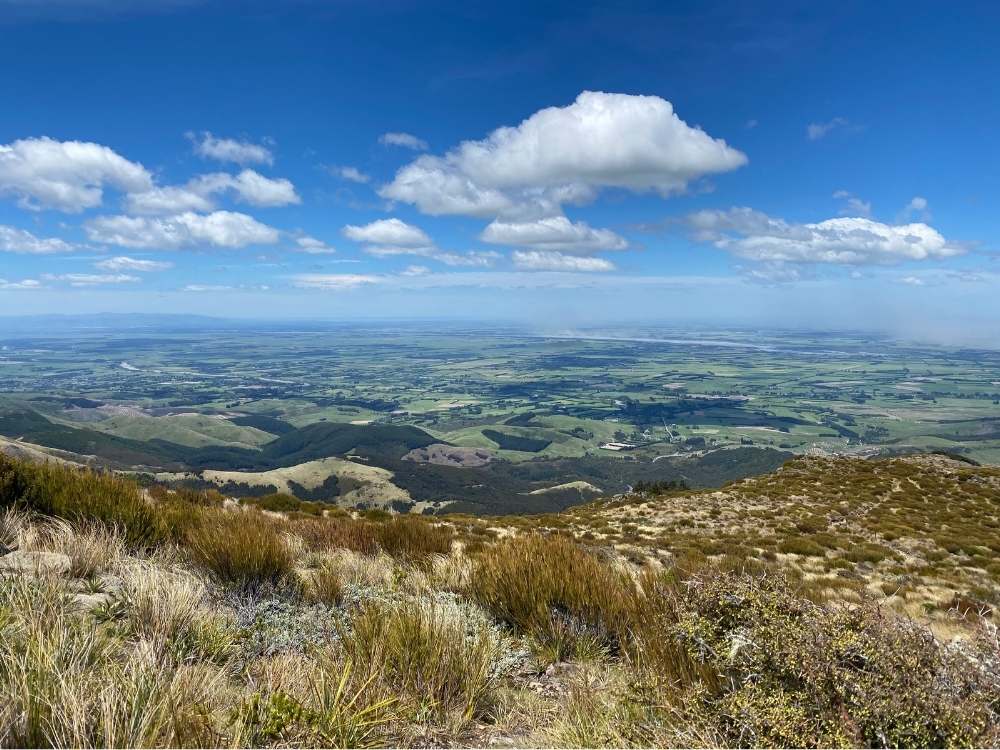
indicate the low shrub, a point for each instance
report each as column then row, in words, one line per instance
column 406, row 537
column 787, row 672
column 80, row 495
column 801, row 546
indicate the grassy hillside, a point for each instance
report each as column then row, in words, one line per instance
column 132, row 617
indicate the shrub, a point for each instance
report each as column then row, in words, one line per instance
column 800, row 546
column 80, row 495
column 413, row 538
column 793, row 673
column 239, row 548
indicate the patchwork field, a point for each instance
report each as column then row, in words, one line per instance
column 483, row 418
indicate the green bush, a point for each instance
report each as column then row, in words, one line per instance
column 801, row 546
column 787, row 672
column 80, row 495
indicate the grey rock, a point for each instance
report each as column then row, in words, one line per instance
column 35, row 563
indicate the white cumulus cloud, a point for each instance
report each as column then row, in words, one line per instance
column 14, row 240
column 229, row 149
column 552, row 233
column 853, row 205
column 851, row 241
column 387, row 232
column 219, row 229
column 565, row 155
column 248, row 187
column 168, row 200
column 351, row 174
column 548, row 260
column 69, row 176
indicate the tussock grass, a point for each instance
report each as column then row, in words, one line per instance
column 239, row 548
column 553, row 590
column 424, row 654
column 325, row 584
column 406, row 639
column 402, row 537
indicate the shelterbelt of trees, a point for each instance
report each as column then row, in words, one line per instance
column 138, row 617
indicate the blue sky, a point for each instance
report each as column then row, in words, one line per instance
column 828, row 165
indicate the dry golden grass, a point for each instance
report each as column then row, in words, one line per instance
column 688, row 620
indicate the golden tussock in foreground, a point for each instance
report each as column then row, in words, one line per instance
column 136, row 618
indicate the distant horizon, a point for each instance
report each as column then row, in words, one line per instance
column 589, row 330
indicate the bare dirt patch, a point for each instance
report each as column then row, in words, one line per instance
column 450, row 455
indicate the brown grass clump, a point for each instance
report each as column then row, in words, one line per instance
column 555, row 591
column 405, row 537
column 239, row 548
column 325, row 584
column 424, row 654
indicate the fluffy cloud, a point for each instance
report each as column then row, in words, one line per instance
column 553, row 233
column 92, row 279
column 124, row 263
column 547, row 260
column 219, row 228
column 817, row 130
column 208, row 146
column 403, row 139
column 248, row 186
column 334, row 281
column 14, row 240
column 853, row 241
column 387, row 232
column 68, row 176
column 565, row 155
column 313, row 246
column 167, row 200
